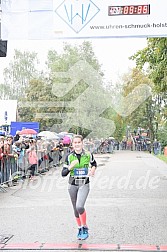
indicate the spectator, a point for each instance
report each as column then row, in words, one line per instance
column 156, row 147
column 17, row 136
column 33, row 160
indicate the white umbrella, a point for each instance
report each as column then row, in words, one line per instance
column 111, row 138
column 62, row 134
column 48, row 135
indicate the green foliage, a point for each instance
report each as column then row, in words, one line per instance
column 145, row 115
column 38, row 96
column 162, row 135
column 5, row 93
column 20, row 71
column 120, row 123
column 155, row 55
column 83, row 104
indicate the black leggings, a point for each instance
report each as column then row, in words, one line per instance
column 42, row 159
column 32, row 169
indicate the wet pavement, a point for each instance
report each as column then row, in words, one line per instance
column 126, row 207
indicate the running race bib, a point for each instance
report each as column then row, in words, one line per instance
column 80, row 172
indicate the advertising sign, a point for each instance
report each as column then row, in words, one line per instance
column 61, row 19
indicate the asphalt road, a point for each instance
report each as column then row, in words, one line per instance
column 126, row 205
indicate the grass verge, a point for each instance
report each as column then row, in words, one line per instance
column 162, row 157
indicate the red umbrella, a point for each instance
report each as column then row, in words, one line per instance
column 28, row 132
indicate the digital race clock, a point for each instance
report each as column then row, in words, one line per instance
column 129, row 10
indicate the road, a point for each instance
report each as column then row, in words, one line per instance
column 126, row 205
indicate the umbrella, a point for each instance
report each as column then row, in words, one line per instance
column 48, row 135
column 70, row 135
column 62, row 134
column 111, row 138
column 28, row 132
column 66, row 140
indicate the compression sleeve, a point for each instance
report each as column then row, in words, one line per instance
column 93, row 161
column 65, row 170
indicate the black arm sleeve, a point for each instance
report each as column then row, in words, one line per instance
column 65, row 170
column 93, row 161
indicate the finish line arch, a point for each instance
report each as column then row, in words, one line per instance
column 81, row 19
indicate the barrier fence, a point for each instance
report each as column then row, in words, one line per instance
column 14, row 167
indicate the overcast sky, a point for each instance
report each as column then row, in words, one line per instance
column 112, row 53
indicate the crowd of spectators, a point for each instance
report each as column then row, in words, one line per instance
column 28, row 156
column 22, row 157
column 140, row 143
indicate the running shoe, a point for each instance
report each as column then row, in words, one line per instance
column 79, row 233
column 84, row 233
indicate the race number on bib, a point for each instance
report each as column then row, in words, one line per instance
column 80, row 172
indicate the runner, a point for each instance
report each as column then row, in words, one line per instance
column 77, row 165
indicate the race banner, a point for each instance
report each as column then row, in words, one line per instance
column 61, row 19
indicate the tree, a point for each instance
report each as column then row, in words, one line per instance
column 78, row 106
column 20, row 71
column 88, row 77
column 161, row 135
column 155, row 55
column 145, row 115
column 5, row 92
column 114, row 91
column 38, row 95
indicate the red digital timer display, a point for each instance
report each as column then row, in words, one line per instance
column 129, row 10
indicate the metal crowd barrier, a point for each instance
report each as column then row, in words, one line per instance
column 11, row 167
column 8, row 166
